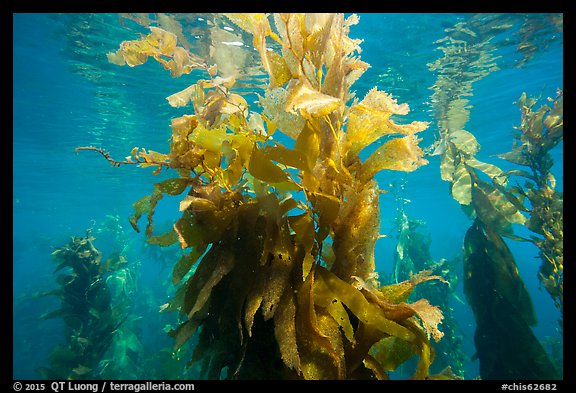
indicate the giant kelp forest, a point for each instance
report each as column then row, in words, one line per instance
column 279, row 213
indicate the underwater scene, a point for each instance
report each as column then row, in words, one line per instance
column 369, row 196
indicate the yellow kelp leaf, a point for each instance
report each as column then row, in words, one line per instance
column 399, row 154
column 318, row 27
column 165, row 239
column 464, row 142
column 400, row 292
column 340, row 315
column 197, row 204
column 492, row 207
column 185, row 263
column 288, row 157
column 180, row 63
column 447, row 167
column 182, row 127
column 370, row 120
column 279, row 71
column 152, row 157
column 142, row 206
column 249, row 22
column 327, row 208
column 184, row 96
column 391, row 352
column 462, row 185
column 491, row 170
column 274, row 104
column 174, row 186
column 310, row 101
column 261, row 167
column 210, row 139
column 308, row 142
column 430, row 316
column 329, row 286
column 164, row 40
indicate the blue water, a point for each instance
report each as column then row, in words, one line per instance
column 66, row 95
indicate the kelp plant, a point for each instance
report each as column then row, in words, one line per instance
column 539, row 132
column 90, row 317
column 506, row 346
column 283, row 234
column 412, row 253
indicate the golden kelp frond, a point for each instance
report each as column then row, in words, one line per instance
column 370, row 119
column 159, row 44
column 400, row 154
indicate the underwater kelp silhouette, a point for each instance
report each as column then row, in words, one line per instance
column 505, row 343
column 90, row 318
column 280, row 279
column 412, row 253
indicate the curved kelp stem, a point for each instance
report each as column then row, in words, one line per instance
column 279, row 214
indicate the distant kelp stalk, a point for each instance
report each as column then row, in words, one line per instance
column 279, row 280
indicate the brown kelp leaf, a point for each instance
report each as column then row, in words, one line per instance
column 183, row 333
column 186, row 262
column 285, row 331
column 303, row 227
column 189, row 233
column 516, row 156
column 223, row 266
column 329, row 286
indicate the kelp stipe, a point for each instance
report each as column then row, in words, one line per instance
column 277, row 285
